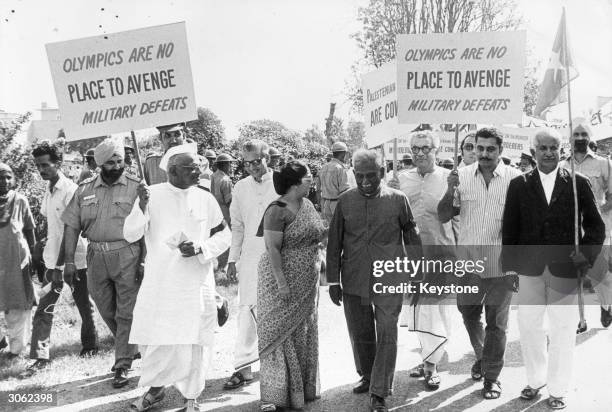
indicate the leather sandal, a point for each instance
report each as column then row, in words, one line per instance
column 476, row 371
column 530, row 393
column 147, row 401
column 556, row 403
column 236, row 381
column 491, row 390
column 418, row 372
column 432, row 380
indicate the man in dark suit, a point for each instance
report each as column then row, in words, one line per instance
column 372, row 223
column 538, row 244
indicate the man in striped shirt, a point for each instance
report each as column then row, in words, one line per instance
column 477, row 193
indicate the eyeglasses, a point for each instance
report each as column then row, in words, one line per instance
column 191, row 168
column 254, row 162
column 424, row 149
column 581, row 134
column 468, row 146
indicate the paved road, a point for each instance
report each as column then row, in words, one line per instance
column 591, row 390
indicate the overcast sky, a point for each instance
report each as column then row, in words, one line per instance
column 284, row 60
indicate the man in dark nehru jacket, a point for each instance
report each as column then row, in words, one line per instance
column 98, row 210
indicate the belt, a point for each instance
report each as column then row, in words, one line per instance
column 108, row 246
column 331, row 200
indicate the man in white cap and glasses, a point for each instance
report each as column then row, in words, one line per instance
column 334, row 179
column 98, row 210
column 175, row 313
column 598, row 170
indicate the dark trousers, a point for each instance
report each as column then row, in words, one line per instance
column 43, row 319
column 373, row 332
column 489, row 343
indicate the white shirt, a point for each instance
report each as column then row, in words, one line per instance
column 548, row 182
column 481, row 213
column 53, row 205
column 176, row 298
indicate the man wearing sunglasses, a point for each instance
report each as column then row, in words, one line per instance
column 468, row 155
column 170, row 135
column 251, row 197
column 597, row 169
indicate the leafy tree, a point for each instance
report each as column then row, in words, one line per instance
column 356, row 135
column 383, row 20
column 207, row 130
column 337, row 132
column 314, row 134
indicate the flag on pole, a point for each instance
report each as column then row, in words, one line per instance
column 552, row 90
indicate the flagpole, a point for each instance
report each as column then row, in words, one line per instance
column 582, row 326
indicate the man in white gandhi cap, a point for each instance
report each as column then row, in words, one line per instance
column 176, row 314
column 98, row 210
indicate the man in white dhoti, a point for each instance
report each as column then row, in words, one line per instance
column 251, row 197
column 175, row 313
column 428, row 315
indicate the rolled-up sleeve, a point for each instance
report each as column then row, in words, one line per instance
column 72, row 214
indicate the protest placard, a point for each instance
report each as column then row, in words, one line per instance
column 123, row 81
column 380, row 106
column 474, row 77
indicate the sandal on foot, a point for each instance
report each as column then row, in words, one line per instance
column 267, row 407
column 432, row 380
column 236, row 380
column 476, row 371
column 491, row 390
column 530, row 393
column 147, row 401
column 418, row 372
column 556, row 403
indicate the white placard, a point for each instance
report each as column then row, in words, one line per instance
column 123, row 81
column 474, row 77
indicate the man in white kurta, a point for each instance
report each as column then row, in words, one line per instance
column 175, row 313
column 251, row 197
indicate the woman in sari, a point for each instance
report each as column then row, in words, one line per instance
column 16, row 243
column 287, row 293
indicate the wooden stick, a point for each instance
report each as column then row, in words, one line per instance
column 395, row 158
column 137, row 154
column 456, row 155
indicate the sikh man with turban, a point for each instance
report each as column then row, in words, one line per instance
column 176, row 313
column 98, row 210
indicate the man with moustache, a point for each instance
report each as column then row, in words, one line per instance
column 598, row 170
column 58, row 193
column 477, row 194
column 170, row 135
column 538, row 238
column 98, row 210
column 250, row 198
column 371, row 222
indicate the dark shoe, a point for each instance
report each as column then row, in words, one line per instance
column 606, row 317
column 120, row 379
column 432, row 380
column 377, row 404
column 556, row 403
column 476, row 371
column 147, row 401
column 88, row 353
column 137, row 356
column 418, row 372
column 236, row 380
column 362, row 386
column 33, row 368
column 529, row 393
column 491, row 390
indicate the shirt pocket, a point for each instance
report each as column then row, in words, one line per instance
column 122, row 206
column 89, row 209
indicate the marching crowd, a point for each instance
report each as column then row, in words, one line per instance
column 145, row 252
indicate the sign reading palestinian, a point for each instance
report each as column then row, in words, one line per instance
column 461, row 78
column 380, row 106
column 123, row 81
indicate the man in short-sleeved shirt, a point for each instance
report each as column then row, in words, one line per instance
column 221, row 188
column 98, row 210
column 477, row 193
column 333, row 178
